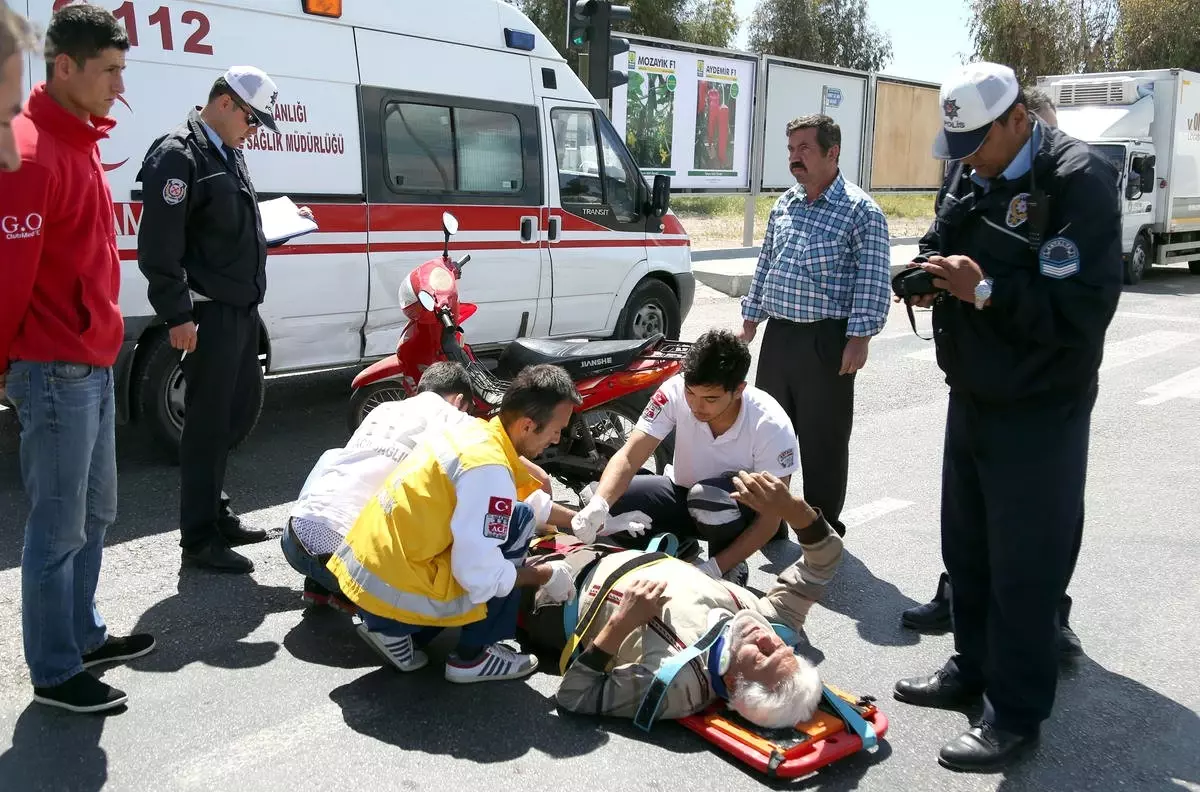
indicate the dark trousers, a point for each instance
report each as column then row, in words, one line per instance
column 798, row 365
column 704, row 511
column 220, row 404
column 1012, row 508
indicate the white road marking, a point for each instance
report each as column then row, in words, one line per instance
column 873, row 511
column 1131, row 350
column 1159, row 317
column 1185, row 386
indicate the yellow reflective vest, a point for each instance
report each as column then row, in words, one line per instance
column 395, row 562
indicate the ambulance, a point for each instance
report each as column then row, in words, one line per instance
column 389, row 114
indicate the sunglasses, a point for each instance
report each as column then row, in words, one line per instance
column 251, row 118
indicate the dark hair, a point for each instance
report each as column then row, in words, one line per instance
column 221, row 87
column 717, row 358
column 1037, row 100
column 536, row 392
column 829, row 134
column 16, row 34
column 82, row 32
column 446, row 378
column 1020, row 100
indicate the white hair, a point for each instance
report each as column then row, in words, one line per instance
column 794, row 700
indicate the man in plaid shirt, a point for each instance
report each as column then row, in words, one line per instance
column 823, row 279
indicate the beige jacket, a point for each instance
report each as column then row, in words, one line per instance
column 692, row 596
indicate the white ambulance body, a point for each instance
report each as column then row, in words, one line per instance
column 389, row 114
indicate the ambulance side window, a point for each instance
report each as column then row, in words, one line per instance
column 621, row 177
column 452, row 150
column 578, row 156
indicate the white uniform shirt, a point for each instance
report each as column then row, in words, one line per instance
column 761, row 440
column 344, row 478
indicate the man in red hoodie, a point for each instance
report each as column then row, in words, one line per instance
column 60, row 331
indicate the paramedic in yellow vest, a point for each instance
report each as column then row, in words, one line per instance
column 443, row 542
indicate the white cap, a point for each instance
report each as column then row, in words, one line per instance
column 257, row 90
column 971, row 100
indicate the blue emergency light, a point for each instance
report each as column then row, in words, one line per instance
column 519, row 39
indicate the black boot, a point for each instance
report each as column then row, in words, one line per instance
column 933, row 616
column 1069, row 646
column 984, row 748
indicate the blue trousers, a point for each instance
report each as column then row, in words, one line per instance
column 502, row 612
column 69, row 468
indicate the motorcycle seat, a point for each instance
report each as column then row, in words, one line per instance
column 581, row 359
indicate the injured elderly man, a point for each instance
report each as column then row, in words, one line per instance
column 639, row 613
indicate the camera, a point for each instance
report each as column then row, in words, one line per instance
column 914, row 282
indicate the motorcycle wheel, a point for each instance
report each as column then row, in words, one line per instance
column 609, row 438
column 369, row 397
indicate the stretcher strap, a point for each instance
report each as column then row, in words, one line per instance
column 656, row 693
column 575, row 632
column 665, row 543
column 854, row 722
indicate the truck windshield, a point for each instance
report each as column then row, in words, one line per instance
column 1115, row 154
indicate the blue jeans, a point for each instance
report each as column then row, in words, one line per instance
column 502, row 612
column 304, row 562
column 69, row 469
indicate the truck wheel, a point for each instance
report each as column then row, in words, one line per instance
column 368, row 397
column 160, row 395
column 1194, row 267
column 652, row 308
column 1138, row 261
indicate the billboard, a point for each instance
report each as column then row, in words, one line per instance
column 797, row 89
column 687, row 113
column 907, row 118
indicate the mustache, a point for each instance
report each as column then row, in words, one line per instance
column 798, row 165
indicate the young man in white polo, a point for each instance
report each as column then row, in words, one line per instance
column 722, row 426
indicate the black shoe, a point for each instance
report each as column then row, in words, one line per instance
column 933, row 616
column 235, row 534
column 1069, row 646
column 942, row 689
column 117, row 649
column 217, row 557
column 984, row 747
column 81, row 693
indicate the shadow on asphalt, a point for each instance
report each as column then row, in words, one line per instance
column 1169, row 281
column 55, row 750
column 302, row 416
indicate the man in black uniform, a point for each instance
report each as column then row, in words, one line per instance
column 1026, row 251
column 934, row 616
column 202, row 249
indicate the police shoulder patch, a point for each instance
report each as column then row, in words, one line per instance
column 1058, row 258
column 174, row 191
column 1018, row 210
column 787, row 458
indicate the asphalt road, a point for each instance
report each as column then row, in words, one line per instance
column 246, row 691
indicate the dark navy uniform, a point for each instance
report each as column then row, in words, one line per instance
column 1023, row 377
column 202, row 249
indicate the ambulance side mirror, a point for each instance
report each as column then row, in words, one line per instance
column 660, row 196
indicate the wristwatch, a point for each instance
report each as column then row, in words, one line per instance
column 983, row 293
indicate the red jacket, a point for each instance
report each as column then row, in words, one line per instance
column 60, row 273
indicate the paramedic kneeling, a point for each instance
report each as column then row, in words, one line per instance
column 721, row 426
column 648, row 614
column 442, row 542
column 1026, row 248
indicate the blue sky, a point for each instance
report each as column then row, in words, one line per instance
column 926, row 44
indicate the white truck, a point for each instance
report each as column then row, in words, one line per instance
column 1148, row 125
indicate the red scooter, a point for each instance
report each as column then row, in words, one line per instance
column 615, row 378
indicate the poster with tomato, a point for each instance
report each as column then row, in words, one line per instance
column 717, row 93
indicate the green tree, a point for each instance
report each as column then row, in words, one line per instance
column 710, row 22
column 1159, row 34
column 1037, row 37
column 834, row 32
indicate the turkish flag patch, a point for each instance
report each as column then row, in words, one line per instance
column 659, row 398
column 495, row 522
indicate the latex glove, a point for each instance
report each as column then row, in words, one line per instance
column 710, row 568
column 634, row 523
column 588, row 520
column 561, row 586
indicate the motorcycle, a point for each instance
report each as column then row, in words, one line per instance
column 615, row 378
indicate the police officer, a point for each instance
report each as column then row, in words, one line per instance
column 202, row 249
column 1025, row 250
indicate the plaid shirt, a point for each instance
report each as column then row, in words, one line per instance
column 829, row 259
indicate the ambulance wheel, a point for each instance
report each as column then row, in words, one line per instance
column 1138, row 261
column 160, row 393
column 369, row 397
column 652, row 308
column 1194, row 267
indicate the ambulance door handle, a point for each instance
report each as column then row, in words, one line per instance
column 528, row 224
column 555, row 229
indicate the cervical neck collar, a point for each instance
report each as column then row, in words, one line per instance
column 719, row 658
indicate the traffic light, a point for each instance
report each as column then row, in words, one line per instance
column 589, row 24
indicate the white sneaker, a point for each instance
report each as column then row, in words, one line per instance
column 399, row 652
column 498, row 662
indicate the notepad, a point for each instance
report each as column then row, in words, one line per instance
column 282, row 221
